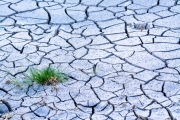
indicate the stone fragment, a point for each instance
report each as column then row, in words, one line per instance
column 116, row 9
column 80, row 75
column 79, row 7
column 78, row 53
column 7, row 21
column 138, row 33
column 87, row 97
column 168, row 71
column 96, row 81
column 159, row 114
column 82, row 24
column 150, row 85
column 116, row 37
column 171, row 33
column 112, row 60
column 129, row 19
column 22, row 110
column 101, row 47
column 148, row 17
column 146, row 3
column 107, row 3
column 22, row 63
column 24, row 5
column 139, row 101
column 22, row 35
column 105, row 24
column 173, row 63
column 5, row 10
column 132, row 91
column 28, row 20
column 77, row 15
column 158, row 96
column 170, row 22
column 168, row 54
column 15, row 56
column 116, row 116
column 99, row 40
column 119, row 28
column 141, row 11
column 35, row 57
column 175, row 9
column 42, row 111
column 67, row 35
column 79, row 42
column 100, row 15
column 66, row 28
column 63, row 115
column 14, row 104
column 81, row 64
column 94, row 9
column 157, row 9
column 90, row 2
column 166, row 3
column 161, row 47
column 145, row 60
column 127, row 49
column 48, row 48
column 166, row 40
column 165, row 13
column 62, row 58
column 95, row 54
column 157, row 31
column 103, row 69
column 58, row 16
column 29, row 49
column 28, row 102
column 103, row 95
column 19, row 45
column 123, row 54
column 91, row 30
column 107, row 110
column 29, row 115
column 146, row 75
column 34, row 14
column 169, row 77
column 129, row 68
column 129, row 41
column 111, row 86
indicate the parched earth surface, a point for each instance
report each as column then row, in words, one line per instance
column 122, row 56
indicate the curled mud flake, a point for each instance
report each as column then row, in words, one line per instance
column 42, row 103
column 54, row 88
column 140, row 26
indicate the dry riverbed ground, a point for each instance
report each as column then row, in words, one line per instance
column 122, row 56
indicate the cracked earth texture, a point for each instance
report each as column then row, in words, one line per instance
column 122, row 56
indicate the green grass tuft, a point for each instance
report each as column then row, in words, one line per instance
column 46, row 76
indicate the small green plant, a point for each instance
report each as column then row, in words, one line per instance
column 18, row 83
column 23, row 84
column 46, row 76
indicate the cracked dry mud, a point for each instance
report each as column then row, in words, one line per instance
column 122, row 56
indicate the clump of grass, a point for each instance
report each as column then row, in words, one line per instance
column 46, row 76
